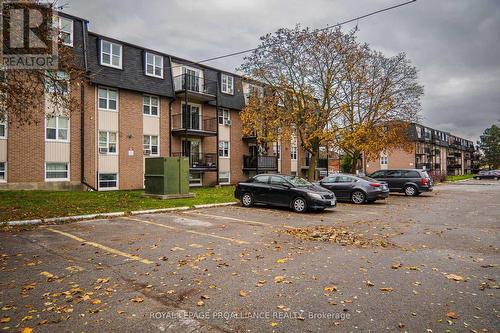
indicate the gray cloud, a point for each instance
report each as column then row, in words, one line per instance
column 455, row 44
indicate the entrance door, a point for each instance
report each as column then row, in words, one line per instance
column 191, row 117
column 191, row 79
column 192, row 149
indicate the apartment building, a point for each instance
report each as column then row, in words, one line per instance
column 439, row 152
column 138, row 103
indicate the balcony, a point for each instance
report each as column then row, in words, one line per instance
column 195, row 87
column 194, row 125
column 200, row 161
column 260, row 163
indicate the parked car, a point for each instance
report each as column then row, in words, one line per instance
column 411, row 182
column 356, row 189
column 488, row 174
column 285, row 191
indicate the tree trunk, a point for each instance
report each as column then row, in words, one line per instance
column 354, row 163
column 313, row 162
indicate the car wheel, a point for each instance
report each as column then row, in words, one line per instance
column 410, row 190
column 299, row 205
column 495, row 178
column 477, row 178
column 358, row 197
column 247, row 199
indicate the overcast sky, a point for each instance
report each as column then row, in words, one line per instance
column 455, row 44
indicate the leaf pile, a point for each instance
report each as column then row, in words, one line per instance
column 336, row 235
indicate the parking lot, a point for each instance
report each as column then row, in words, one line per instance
column 432, row 265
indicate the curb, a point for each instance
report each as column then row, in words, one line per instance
column 88, row 216
column 216, row 205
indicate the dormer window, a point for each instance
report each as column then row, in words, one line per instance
column 111, row 54
column 154, row 65
column 227, row 84
column 66, row 31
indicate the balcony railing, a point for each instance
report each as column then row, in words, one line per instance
column 194, row 124
column 195, row 84
column 260, row 163
column 200, row 161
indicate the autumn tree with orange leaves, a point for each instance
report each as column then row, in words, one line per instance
column 329, row 89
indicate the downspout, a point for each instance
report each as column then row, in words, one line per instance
column 170, row 108
column 217, row 124
column 82, row 111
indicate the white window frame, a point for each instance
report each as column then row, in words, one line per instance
column 101, row 53
column 225, row 116
column 4, row 180
column 384, row 160
column 108, row 99
column 223, row 149
column 4, row 125
column 71, row 33
column 108, row 188
column 150, row 145
column 154, row 64
column 277, row 151
column 107, row 143
column 200, row 183
column 228, row 177
column 227, row 84
column 151, row 97
column 57, row 128
column 57, row 179
column 293, row 153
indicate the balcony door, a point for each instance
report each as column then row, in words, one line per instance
column 191, row 117
column 191, row 79
column 192, row 149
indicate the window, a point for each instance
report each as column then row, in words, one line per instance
column 195, row 179
column 224, row 117
column 3, row 171
column 224, row 177
column 394, row 174
column 107, row 143
column 151, row 145
column 293, row 152
column 151, row 105
column 277, row 150
column 56, row 171
column 66, row 31
column 154, row 65
column 344, row 179
column 223, row 148
column 108, row 99
column 3, row 129
column 275, row 180
column 227, row 84
column 108, row 180
column 419, row 131
column 384, row 160
column 58, row 83
column 411, row 174
column 111, row 54
column 261, row 179
column 56, row 128
column 377, row 174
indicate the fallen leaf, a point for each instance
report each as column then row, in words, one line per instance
column 243, row 293
column 455, row 277
column 200, row 303
column 274, row 324
column 27, row 330
column 4, row 320
column 279, row 279
column 396, row 265
column 96, row 301
column 282, row 261
column 330, row 289
column 283, row 307
column 386, row 289
column 137, row 300
column 369, row 283
column 452, row 315
column 26, row 318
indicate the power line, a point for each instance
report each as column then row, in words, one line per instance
column 317, row 30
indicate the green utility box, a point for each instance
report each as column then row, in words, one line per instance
column 167, row 176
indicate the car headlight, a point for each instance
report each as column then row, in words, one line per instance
column 315, row 196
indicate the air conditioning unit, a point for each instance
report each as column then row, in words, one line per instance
column 103, row 150
column 147, row 152
column 227, row 122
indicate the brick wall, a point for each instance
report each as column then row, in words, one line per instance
column 286, row 159
column 398, row 159
column 238, row 148
column 90, row 142
column 131, row 171
column 164, row 127
column 75, row 136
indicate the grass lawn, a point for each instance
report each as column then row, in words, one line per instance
column 456, row 178
column 23, row 205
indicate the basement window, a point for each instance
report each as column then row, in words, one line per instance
column 56, row 171
column 3, row 171
column 108, row 181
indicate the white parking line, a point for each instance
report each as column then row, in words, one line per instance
column 238, row 220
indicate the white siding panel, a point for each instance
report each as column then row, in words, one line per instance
column 108, row 164
column 3, row 150
column 151, row 125
column 224, row 164
column 57, row 151
column 108, row 121
column 224, row 133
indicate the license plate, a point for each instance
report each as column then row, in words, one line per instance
column 332, row 202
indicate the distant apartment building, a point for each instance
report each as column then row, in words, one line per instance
column 439, row 152
column 138, row 103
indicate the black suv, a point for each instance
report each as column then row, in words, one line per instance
column 411, row 182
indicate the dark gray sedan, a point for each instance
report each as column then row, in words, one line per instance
column 356, row 189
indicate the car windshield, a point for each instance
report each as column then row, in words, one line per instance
column 297, row 181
